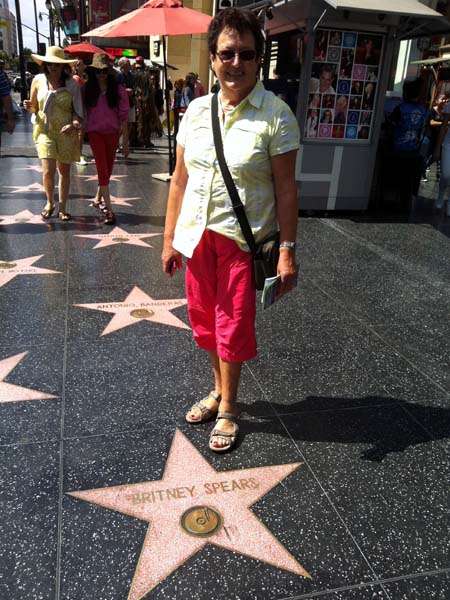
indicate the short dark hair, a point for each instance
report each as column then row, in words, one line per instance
column 237, row 19
column 327, row 69
column 411, row 90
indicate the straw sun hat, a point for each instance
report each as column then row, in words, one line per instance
column 55, row 55
column 101, row 61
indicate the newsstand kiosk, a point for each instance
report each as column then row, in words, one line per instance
column 341, row 52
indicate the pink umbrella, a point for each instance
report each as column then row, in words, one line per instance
column 83, row 48
column 157, row 17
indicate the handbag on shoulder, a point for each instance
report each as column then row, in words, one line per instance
column 265, row 253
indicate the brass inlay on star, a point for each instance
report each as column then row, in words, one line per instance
column 201, row 521
column 141, row 313
column 120, row 239
column 5, row 265
column 22, row 220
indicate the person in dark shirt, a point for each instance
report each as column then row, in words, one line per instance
column 176, row 104
column 433, row 126
column 159, row 95
column 408, row 119
column 126, row 78
column 5, row 100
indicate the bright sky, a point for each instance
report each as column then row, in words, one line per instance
column 27, row 14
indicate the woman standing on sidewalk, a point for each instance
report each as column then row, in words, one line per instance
column 107, row 108
column 260, row 139
column 55, row 101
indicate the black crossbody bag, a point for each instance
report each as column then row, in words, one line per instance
column 266, row 253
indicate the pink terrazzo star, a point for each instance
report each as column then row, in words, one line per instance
column 32, row 187
column 189, row 482
column 25, row 216
column 16, row 393
column 119, row 236
column 13, row 268
column 117, row 200
column 95, row 177
column 35, row 168
column 139, row 306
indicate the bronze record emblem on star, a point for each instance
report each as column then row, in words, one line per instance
column 5, row 265
column 201, row 521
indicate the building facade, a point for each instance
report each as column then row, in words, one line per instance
column 8, row 29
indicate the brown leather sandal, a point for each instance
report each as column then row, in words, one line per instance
column 46, row 213
column 99, row 205
column 206, row 413
column 230, row 438
column 64, row 216
column 110, row 218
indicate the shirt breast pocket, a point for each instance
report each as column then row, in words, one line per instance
column 200, row 145
column 244, row 145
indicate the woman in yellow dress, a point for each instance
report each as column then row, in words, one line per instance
column 56, row 104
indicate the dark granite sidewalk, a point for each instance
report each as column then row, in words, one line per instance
column 342, row 471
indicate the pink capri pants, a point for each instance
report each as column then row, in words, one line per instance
column 104, row 147
column 222, row 298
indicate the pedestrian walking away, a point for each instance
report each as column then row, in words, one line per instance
column 260, row 135
column 148, row 123
column 442, row 151
column 80, row 77
column 433, row 127
column 176, row 104
column 57, row 115
column 188, row 91
column 6, row 101
column 107, row 108
column 126, row 78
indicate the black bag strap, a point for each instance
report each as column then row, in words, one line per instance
column 236, row 203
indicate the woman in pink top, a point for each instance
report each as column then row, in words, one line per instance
column 107, row 107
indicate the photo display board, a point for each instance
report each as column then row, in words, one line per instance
column 343, row 85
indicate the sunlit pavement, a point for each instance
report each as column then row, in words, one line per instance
column 338, row 488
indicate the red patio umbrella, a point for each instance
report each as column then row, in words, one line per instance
column 157, row 17
column 85, row 48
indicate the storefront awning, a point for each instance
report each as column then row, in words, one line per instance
column 412, row 8
column 431, row 61
column 409, row 18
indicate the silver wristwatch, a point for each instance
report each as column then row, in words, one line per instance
column 290, row 245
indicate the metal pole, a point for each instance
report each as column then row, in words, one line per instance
column 50, row 24
column 167, row 95
column 36, row 25
column 23, row 87
column 82, row 16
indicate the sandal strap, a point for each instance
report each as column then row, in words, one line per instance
column 202, row 408
column 214, row 395
column 228, row 416
column 219, row 433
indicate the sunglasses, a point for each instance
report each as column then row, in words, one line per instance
column 103, row 71
column 228, row 55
